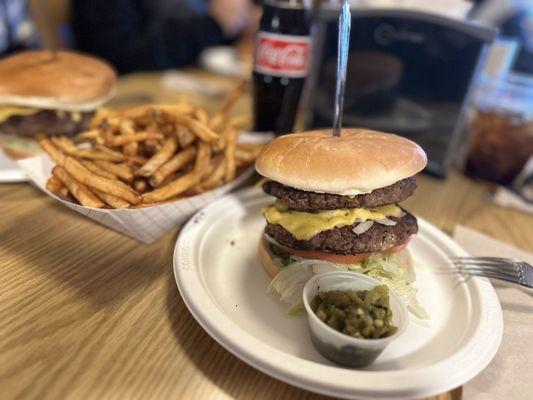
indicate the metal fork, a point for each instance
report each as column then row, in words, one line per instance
column 505, row 269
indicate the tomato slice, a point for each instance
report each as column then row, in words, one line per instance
column 333, row 258
column 397, row 249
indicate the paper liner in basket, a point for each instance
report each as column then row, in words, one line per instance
column 143, row 224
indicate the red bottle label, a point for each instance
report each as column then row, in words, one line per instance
column 282, row 55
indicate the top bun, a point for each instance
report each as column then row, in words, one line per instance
column 357, row 162
column 66, row 81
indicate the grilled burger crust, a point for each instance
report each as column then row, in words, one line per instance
column 344, row 241
column 296, row 199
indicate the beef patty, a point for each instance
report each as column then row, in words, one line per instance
column 344, row 241
column 296, row 199
column 46, row 122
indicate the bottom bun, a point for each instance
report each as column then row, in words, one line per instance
column 271, row 267
column 18, row 147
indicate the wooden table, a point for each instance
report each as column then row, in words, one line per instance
column 86, row 312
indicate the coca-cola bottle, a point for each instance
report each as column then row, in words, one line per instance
column 281, row 63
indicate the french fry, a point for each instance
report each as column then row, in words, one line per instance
column 177, row 162
column 172, row 189
column 204, row 167
column 136, row 160
column 233, row 97
column 78, row 189
column 216, row 122
column 126, row 128
column 87, row 136
column 184, row 182
column 240, row 122
column 203, row 159
column 209, row 169
column 65, row 144
column 140, row 185
column 64, row 193
column 54, row 185
column 68, row 147
column 201, row 115
column 182, row 107
column 159, row 158
column 107, row 131
column 174, row 176
column 52, row 151
column 131, row 149
column 217, row 175
column 167, row 129
column 220, row 144
column 185, row 137
column 113, row 201
column 119, row 170
column 100, row 115
column 137, row 137
column 91, row 166
column 113, row 123
column 229, row 154
column 116, row 188
column 157, row 203
column 150, row 147
column 111, row 154
column 194, row 190
column 201, row 130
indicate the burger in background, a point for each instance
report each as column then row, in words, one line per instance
column 336, row 208
column 44, row 93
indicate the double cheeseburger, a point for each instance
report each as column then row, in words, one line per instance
column 337, row 202
column 44, row 94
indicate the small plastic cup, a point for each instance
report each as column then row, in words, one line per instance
column 337, row 346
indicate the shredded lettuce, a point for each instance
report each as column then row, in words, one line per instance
column 394, row 270
column 286, row 261
column 289, row 284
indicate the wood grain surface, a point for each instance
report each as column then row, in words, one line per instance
column 87, row 313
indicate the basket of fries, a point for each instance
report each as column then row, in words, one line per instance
column 144, row 170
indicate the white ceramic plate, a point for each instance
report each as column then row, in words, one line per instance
column 223, row 60
column 224, row 287
column 9, row 170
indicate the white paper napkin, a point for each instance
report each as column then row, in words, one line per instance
column 507, row 198
column 523, row 186
column 143, row 224
column 510, row 374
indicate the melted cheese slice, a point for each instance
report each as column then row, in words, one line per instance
column 9, row 111
column 304, row 225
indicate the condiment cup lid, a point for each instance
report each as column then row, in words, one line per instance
column 347, row 280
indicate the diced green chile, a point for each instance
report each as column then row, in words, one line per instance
column 364, row 314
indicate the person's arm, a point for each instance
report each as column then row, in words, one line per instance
column 124, row 33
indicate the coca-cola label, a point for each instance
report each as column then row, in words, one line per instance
column 282, row 55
